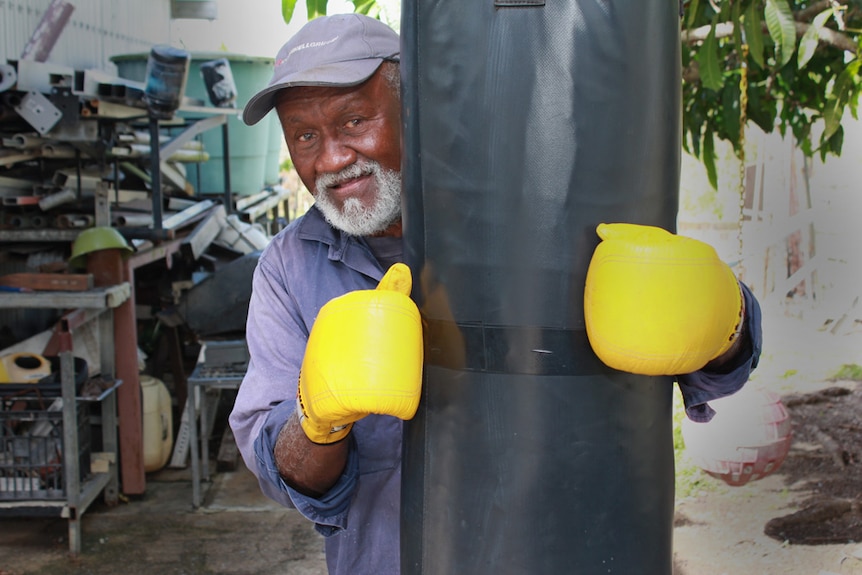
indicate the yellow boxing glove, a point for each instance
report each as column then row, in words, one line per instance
column 659, row 304
column 364, row 355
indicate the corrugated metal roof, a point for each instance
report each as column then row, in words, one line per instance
column 97, row 29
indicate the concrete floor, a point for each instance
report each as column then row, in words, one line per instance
column 236, row 531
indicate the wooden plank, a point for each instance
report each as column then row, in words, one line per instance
column 787, row 284
column 48, row 281
column 129, row 408
column 111, row 296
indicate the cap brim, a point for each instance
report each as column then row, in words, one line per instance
column 341, row 74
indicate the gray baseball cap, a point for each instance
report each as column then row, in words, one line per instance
column 337, row 50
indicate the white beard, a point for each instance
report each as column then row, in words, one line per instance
column 355, row 218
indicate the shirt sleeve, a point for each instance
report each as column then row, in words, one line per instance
column 328, row 512
column 702, row 386
column 276, row 335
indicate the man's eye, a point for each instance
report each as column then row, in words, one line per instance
column 354, row 123
column 305, row 137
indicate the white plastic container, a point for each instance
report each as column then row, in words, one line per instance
column 158, row 423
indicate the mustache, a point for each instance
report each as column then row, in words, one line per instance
column 355, row 170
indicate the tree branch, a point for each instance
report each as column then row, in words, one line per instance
column 806, row 14
column 725, row 30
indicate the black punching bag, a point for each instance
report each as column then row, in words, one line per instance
column 526, row 124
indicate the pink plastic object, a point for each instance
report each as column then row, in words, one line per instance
column 748, row 438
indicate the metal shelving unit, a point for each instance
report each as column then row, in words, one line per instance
column 92, row 305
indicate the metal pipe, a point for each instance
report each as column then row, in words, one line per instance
column 180, row 155
column 23, row 141
column 133, row 220
column 156, row 175
column 74, row 221
column 187, row 215
column 58, row 151
column 42, row 40
column 139, row 137
column 146, row 234
column 225, row 141
column 64, row 196
column 184, row 155
column 18, row 221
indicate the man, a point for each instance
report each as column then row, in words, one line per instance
column 335, row 90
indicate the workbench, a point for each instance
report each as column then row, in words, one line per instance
column 220, row 365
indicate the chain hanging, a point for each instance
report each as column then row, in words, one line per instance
column 743, row 106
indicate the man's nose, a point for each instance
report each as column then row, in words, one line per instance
column 335, row 155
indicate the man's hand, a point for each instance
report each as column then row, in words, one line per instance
column 364, row 355
column 659, row 304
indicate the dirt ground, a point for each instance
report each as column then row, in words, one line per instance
column 806, row 518
column 803, row 519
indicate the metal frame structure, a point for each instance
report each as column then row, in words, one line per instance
column 92, row 305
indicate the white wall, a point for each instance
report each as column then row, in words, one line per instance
column 97, row 29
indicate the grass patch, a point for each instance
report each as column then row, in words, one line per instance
column 690, row 480
column 848, row 371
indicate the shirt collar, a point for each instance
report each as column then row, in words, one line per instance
column 343, row 247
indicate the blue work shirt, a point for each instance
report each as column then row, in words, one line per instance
column 305, row 266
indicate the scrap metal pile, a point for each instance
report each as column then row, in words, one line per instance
column 64, row 133
column 76, row 152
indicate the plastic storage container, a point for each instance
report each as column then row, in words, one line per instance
column 158, row 423
column 31, row 446
column 23, row 367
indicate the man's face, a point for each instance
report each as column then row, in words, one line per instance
column 345, row 144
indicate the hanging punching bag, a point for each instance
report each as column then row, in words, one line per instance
column 527, row 124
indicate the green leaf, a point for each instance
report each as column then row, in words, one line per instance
column 844, row 87
column 807, row 47
column 853, row 69
column 836, row 142
column 832, row 113
column 367, row 7
column 730, row 102
column 760, row 110
column 779, row 22
column 736, row 18
column 707, row 58
column 708, row 158
column 724, row 10
column 694, row 130
column 693, row 7
column 316, row 8
column 753, row 25
column 287, row 8
column 811, row 39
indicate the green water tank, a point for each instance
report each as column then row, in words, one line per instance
column 254, row 150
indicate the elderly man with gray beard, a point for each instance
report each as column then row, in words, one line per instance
column 335, row 340
column 335, row 89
